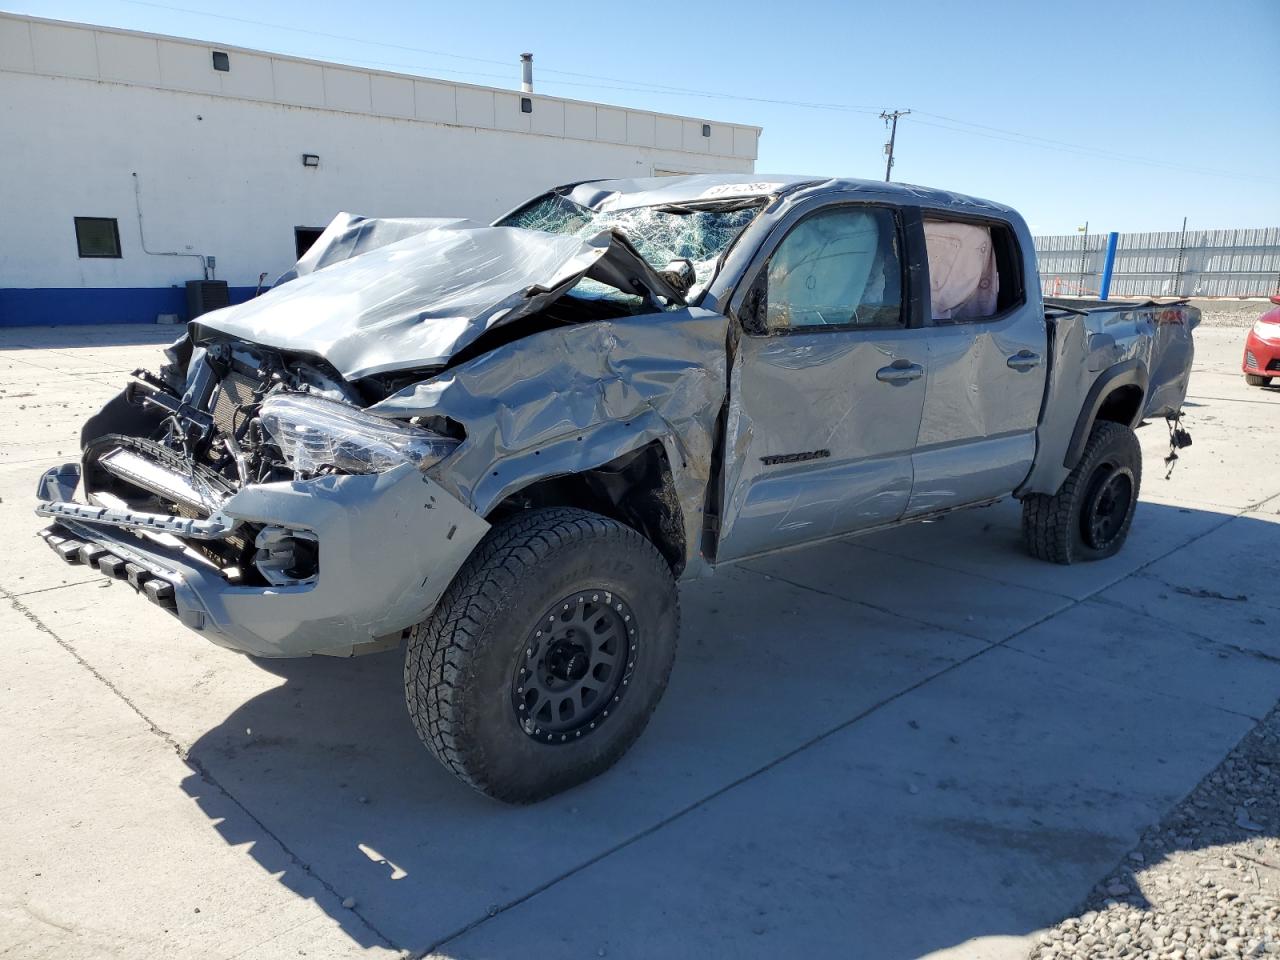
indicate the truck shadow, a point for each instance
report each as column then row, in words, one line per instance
column 911, row 786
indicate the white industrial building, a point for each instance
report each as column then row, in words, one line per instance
column 132, row 163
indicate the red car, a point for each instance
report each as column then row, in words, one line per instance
column 1262, row 349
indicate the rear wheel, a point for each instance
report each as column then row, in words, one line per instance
column 1255, row 380
column 547, row 655
column 1090, row 516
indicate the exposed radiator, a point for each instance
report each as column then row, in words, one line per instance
column 234, row 391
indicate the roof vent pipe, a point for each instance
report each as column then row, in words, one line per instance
column 526, row 73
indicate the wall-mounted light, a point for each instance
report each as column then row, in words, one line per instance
column 311, row 160
column 221, row 61
column 526, row 105
column 706, row 129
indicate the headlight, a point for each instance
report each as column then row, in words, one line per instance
column 312, row 432
column 1266, row 331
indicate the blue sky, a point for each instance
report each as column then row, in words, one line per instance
column 1155, row 110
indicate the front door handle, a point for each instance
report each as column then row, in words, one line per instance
column 1024, row 360
column 900, row 371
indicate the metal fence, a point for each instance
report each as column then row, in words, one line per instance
column 1194, row 263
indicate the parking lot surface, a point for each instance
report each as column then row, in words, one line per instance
column 918, row 742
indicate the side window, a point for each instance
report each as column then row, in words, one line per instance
column 837, row 268
column 973, row 270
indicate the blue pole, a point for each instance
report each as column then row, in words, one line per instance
column 1113, row 238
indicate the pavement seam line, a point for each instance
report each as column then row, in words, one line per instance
column 65, row 373
column 14, row 594
column 1182, row 588
column 865, row 603
column 853, row 542
column 195, row 765
column 1116, row 683
column 1203, row 637
column 1229, row 399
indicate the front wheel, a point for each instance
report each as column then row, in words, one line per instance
column 546, row 656
column 1089, row 517
column 1254, row 380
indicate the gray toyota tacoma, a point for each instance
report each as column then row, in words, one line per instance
column 502, row 445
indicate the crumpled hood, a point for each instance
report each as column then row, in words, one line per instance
column 373, row 296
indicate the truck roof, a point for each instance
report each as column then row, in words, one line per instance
column 695, row 188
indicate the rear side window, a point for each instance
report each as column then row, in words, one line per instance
column 837, row 268
column 974, row 270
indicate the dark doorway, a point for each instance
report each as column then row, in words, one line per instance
column 304, row 237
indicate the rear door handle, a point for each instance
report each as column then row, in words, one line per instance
column 900, row 371
column 1024, row 360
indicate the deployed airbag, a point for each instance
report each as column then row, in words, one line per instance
column 963, row 283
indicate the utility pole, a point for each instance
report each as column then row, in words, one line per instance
column 891, row 118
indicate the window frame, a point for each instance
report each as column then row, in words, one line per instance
column 906, row 223
column 297, row 230
column 1013, row 255
column 115, row 234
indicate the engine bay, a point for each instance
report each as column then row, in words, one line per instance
column 223, row 415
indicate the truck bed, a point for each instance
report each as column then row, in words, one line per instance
column 1092, row 341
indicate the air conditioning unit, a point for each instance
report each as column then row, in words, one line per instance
column 206, row 295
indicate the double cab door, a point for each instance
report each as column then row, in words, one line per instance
column 878, row 374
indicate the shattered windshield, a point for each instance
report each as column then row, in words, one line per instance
column 699, row 232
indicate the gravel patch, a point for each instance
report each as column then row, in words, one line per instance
column 1202, row 884
column 1239, row 314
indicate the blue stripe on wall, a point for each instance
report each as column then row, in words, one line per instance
column 55, row 306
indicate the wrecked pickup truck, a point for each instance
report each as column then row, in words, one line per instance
column 503, row 445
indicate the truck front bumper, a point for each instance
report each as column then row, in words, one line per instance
column 389, row 545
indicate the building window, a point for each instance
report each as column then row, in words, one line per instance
column 98, row 237
column 221, row 62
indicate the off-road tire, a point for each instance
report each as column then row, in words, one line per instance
column 1255, row 380
column 1052, row 526
column 460, row 662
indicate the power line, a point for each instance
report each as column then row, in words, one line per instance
column 633, row 86
column 614, row 83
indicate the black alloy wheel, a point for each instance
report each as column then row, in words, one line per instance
column 576, row 664
column 1107, row 505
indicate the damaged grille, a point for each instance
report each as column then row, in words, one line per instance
column 207, row 442
column 149, row 477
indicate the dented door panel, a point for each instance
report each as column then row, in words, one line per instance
column 977, row 430
column 817, row 445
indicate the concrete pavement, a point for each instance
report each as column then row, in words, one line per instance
column 918, row 742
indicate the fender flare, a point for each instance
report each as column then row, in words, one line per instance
column 1131, row 372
